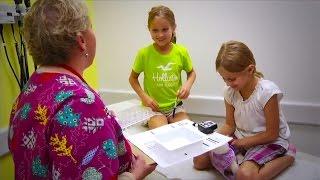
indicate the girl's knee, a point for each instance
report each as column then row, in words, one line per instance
column 246, row 174
column 290, row 159
column 202, row 162
column 178, row 117
column 286, row 160
column 198, row 165
column 248, row 170
column 157, row 121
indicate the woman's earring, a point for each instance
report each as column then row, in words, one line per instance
column 87, row 55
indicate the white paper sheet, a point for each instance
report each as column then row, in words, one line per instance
column 146, row 142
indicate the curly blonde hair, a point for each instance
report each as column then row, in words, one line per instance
column 51, row 27
column 235, row 56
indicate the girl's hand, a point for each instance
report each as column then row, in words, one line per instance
column 140, row 169
column 239, row 143
column 149, row 102
column 184, row 92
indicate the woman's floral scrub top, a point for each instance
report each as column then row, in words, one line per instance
column 59, row 129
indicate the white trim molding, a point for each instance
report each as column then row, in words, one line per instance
column 295, row 112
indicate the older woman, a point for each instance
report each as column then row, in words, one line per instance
column 58, row 126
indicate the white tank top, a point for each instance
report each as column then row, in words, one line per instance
column 249, row 115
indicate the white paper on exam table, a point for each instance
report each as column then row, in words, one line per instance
column 146, row 142
column 130, row 112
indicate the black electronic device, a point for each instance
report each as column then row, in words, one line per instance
column 207, row 127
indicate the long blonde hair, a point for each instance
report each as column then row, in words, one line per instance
column 165, row 12
column 235, row 56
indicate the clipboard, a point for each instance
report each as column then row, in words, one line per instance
column 136, row 151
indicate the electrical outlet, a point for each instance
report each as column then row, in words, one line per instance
column 3, row 141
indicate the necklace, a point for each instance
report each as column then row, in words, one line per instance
column 64, row 66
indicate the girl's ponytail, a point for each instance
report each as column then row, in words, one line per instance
column 174, row 38
column 258, row 74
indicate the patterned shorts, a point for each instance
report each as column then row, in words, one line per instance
column 169, row 113
column 262, row 154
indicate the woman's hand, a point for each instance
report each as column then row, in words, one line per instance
column 184, row 92
column 140, row 169
column 149, row 102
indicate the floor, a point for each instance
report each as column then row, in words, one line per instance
column 306, row 166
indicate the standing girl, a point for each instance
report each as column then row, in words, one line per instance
column 162, row 63
column 253, row 117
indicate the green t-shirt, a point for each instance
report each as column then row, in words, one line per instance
column 162, row 73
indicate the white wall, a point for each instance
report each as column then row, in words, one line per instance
column 283, row 35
